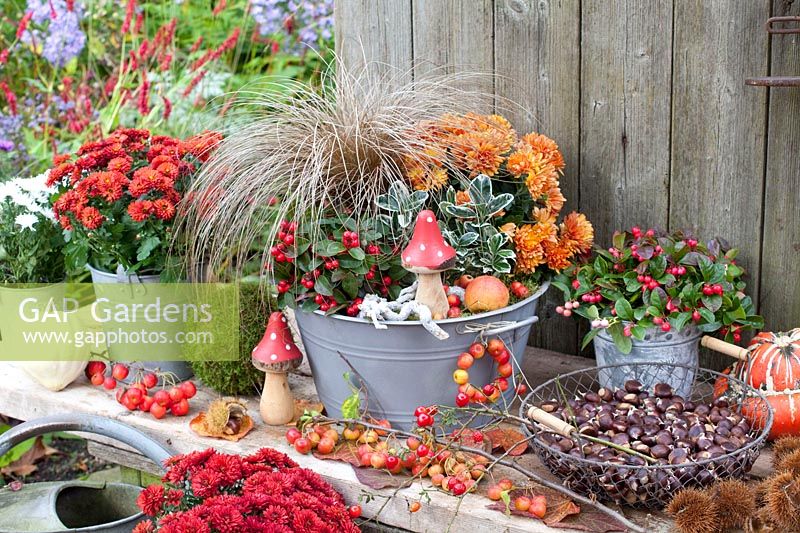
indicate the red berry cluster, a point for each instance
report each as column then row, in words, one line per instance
column 286, row 236
column 735, row 330
column 647, row 282
column 676, row 270
column 593, row 297
column 353, row 308
column 712, row 289
column 137, row 397
column 519, row 290
column 325, row 302
column 350, row 239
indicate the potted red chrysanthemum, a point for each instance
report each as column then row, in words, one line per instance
column 117, row 199
column 266, row 491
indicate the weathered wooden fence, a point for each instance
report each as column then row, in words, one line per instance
column 647, row 100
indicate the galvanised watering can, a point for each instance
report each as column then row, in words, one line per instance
column 79, row 506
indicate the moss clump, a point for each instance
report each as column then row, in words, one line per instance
column 240, row 377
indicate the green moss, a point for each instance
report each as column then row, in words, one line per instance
column 240, row 377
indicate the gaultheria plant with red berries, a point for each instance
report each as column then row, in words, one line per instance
column 206, row 492
column 651, row 279
column 117, row 198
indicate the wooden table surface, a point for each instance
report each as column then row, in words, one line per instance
column 23, row 399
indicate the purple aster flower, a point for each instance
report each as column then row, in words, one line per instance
column 311, row 20
column 62, row 39
column 6, row 145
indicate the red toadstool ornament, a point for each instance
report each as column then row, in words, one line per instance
column 427, row 255
column 276, row 355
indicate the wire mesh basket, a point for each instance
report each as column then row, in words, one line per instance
column 716, row 432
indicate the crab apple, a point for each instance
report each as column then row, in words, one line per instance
column 454, row 301
column 147, row 403
column 505, row 484
column 522, row 503
column 479, row 397
column 365, row 459
column 325, row 446
column 503, row 358
column 95, row 367
column 302, row 445
column 412, row 443
column 454, row 312
column 495, row 346
column 464, row 280
column 292, row 434
column 158, row 411
column 162, row 398
column 314, row 438
column 424, row 420
column 351, row 433
column 176, row 394
column 150, row 380
column 488, row 389
column 378, row 460
column 368, row 437
column 459, row 488
column 495, row 493
column 665, row 326
column 423, row 450
column 437, row 479
column 409, row 460
column 119, row 371
column 119, row 394
column 419, row 470
column 477, row 350
column 134, row 395
column 414, row 507
column 420, row 409
column 505, row 370
column 98, row 379
column 461, row 376
column 521, row 389
column 180, row 408
column 110, row 383
column 465, row 361
column 188, row 389
column 462, row 399
column 538, row 506
column 392, row 462
column 502, row 384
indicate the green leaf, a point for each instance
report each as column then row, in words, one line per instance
column 328, row 248
column 589, row 336
column 679, row 321
column 146, row 247
column 309, row 305
column 498, row 203
column 592, row 312
column 618, row 240
column 624, row 309
column 351, row 405
column 638, row 332
column 480, row 189
column 708, row 328
column 350, row 285
column 707, row 315
column 706, row 267
column 623, row 343
column 357, row 253
column 712, row 303
column 639, row 313
column 323, row 286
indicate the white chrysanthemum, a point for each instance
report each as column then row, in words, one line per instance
column 26, row 220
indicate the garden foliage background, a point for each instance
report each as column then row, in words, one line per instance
column 70, row 69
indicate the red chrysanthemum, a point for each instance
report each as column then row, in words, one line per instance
column 146, row 526
column 140, row 210
column 151, row 500
column 307, row 521
column 165, row 210
column 91, row 218
column 120, row 164
column 206, row 483
column 148, row 179
column 174, row 497
column 229, row 467
column 225, row 519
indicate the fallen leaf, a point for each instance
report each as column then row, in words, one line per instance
column 509, row 440
column 26, row 464
column 346, row 452
column 557, row 513
column 301, row 406
column 378, row 479
column 198, row 426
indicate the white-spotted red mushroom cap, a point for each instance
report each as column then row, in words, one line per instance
column 277, row 351
column 428, row 252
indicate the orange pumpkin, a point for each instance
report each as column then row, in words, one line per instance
column 773, row 365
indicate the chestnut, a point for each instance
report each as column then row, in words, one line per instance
column 662, row 390
column 633, row 386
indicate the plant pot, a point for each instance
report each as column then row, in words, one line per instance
column 673, row 348
column 54, row 370
column 181, row 369
column 404, row 366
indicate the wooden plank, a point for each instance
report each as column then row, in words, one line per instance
column 454, row 37
column 537, row 61
column 718, row 126
column 24, row 400
column 780, row 283
column 375, row 33
column 626, row 51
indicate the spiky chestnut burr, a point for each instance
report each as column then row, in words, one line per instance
column 782, row 500
column 736, row 502
column 694, row 511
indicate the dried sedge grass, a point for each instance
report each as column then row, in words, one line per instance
column 784, row 446
column 736, row 502
column 782, row 500
column 694, row 511
column 339, row 147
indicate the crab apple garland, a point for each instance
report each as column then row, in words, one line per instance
column 469, row 393
column 173, row 399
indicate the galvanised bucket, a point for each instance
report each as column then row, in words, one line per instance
column 680, row 348
column 78, row 506
column 404, row 366
column 181, row 369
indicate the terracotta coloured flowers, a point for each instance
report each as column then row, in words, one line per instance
column 208, row 491
column 119, row 196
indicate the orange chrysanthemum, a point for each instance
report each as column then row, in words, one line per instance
column 427, row 178
column 528, row 241
column 555, row 200
column 91, row 218
column 577, row 233
column 542, row 144
column 557, row 255
column 541, row 177
column 509, row 228
column 140, row 210
column 462, row 197
column 163, row 209
column 480, row 154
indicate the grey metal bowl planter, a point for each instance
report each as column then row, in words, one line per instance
column 78, row 506
column 403, row 366
column 681, row 348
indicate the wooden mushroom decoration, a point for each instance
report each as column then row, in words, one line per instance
column 427, row 255
column 276, row 355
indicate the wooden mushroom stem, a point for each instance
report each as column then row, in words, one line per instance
column 277, row 401
column 430, row 293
